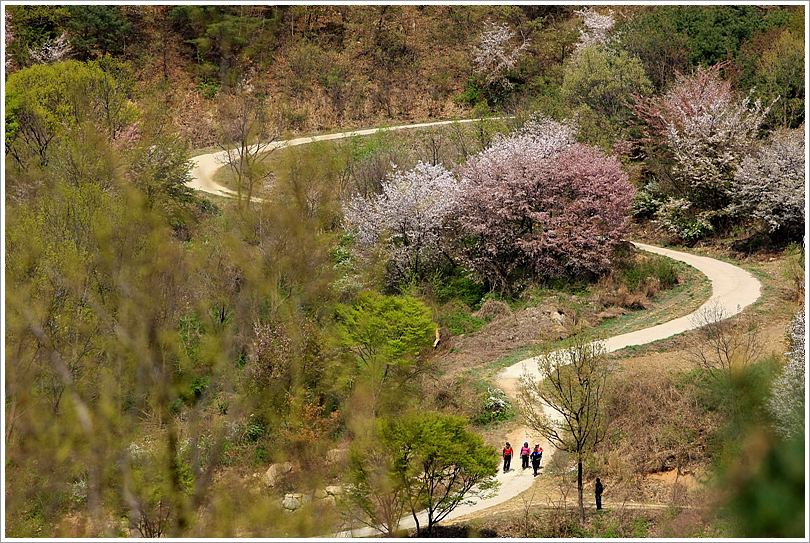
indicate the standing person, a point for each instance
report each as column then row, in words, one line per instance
column 537, row 456
column 507, row 456
column 598, row 489
column 525, row 451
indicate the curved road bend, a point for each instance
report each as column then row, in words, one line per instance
column 204, row 167
column 732, row 287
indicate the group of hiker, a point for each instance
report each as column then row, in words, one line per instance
column 536, row 456
column 526, row 454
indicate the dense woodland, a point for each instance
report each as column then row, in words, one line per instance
column 164, row 348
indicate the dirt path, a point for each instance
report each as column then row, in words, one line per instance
column 204, row 167
column 732, row 287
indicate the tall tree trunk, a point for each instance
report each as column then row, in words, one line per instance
column 579, row 490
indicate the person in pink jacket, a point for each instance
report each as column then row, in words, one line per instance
column 524, row 454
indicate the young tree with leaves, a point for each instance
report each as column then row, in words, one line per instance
column 571, row 382
column 385, row 335
column 439, row 464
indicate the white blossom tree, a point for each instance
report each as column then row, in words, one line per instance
column 408, row 217
column 55, row 50
column 495, row 54
column 787, row 395
column 596, row 29
column 770, row 184
column 706, row 130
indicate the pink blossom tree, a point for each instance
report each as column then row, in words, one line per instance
column 407, row 218
column 537, row 205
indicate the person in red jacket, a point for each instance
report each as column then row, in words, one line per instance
column 525, row 451
column 507, row 456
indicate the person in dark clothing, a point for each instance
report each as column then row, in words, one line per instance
column 599, row 488
column 536, row 456
column 507, row 456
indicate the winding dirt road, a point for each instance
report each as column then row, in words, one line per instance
column 732, row 288
column 204, row 167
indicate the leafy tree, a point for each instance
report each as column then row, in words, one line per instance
column 409, row 216
column 570, row 381
column 97, row 30
column 769, row 185
column 46, row 99
column 385, row 335
column 604, row 80
column 652, row 38
column 788, row 390
column 780, row 69
column 438, row 463
column 536, row 205
column 598, row 83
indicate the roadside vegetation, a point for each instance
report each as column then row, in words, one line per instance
column 184, row 365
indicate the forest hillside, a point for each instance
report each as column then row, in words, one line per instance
column 319, row 350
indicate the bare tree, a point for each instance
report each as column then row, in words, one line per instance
column 570, row 381
column 246, row 137
column 720, row 345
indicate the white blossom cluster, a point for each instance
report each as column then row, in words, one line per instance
column 770, row 184
column 495, row 53
column 55, row 50
column 408, row 215
column 596, row 28
column 538, row 139
column 787, row 395
column 711, row 131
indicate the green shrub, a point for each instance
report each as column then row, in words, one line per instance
column 657, row 267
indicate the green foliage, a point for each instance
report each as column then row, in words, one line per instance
column 384, row 336
column 768, row 499
column 604, row 80
column 461, row 322
column 660, row 269
column 438, row 463
column 97, row 30
column 47, row 100
column 208, row 87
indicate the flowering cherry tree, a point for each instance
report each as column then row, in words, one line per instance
column 706, row 129
column 770, row 184
column 408, row 217
column 787, row 394
column 596, row 29
column 495, row 54
column 55, row 50
column 536, row 204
